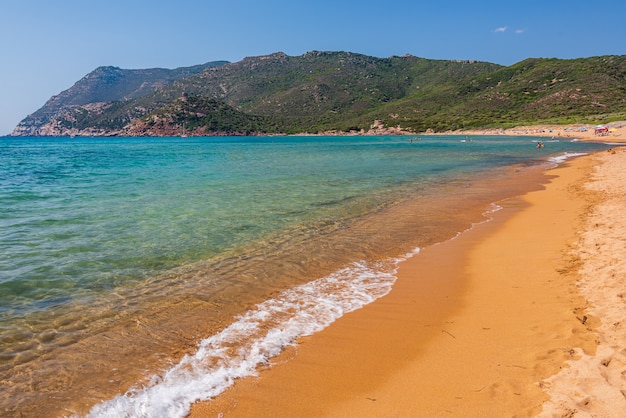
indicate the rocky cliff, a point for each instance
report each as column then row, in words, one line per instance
column 95, row 92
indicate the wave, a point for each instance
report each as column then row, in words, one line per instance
column 559, row 159
column 253, row 339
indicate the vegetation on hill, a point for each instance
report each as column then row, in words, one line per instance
column 201, row 116
column 342, row 91
column 104, row 89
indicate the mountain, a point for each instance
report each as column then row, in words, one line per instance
column 338, row 91
column 201, row 116
column 101, row 86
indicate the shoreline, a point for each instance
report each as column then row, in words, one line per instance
column 581, row 131
column 585, row 132
column 451, row 337
column 595, row 384
column 616, row 131
column 167, row 328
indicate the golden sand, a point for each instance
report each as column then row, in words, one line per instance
column 521, row 316
column 586, row 132
column 595, row 384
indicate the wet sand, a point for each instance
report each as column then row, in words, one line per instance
column 477, row 326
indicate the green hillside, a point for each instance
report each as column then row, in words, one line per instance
column 322, row 91
column 105, row 87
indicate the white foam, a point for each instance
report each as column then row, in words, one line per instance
column 487, row 214
column 258, row 335
column 493, row 208
column 565, row 156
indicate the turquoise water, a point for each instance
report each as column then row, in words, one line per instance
column 82, row 219
column 78, row 216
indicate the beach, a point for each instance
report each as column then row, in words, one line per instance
column 615, row 131
column 519, row 316
column 327, row 276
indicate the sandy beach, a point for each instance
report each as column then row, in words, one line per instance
column 520, row 316
column 615, row 132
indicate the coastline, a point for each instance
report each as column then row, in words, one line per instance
column 176, row 312
column 586, row 132
column 595, row 384
column 581, row 131
column 453, row 337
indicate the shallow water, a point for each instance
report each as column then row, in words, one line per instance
column 135, row 248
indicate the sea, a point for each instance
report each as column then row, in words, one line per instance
column 140, row 275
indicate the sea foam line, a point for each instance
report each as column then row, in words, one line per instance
column 253, row 339
column 565, row 156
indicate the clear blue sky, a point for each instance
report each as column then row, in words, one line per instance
column 46, row 46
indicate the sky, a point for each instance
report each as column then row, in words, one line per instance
column 48, row 45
